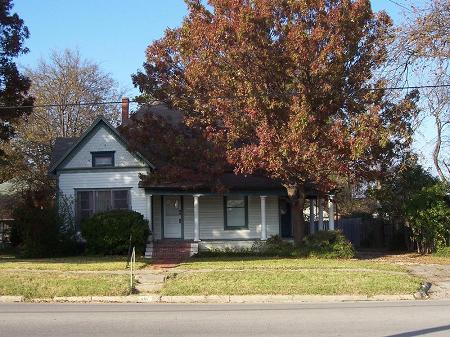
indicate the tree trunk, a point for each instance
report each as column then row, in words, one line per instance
column 297, row 198
column 437, row 149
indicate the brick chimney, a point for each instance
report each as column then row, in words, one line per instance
column 125, row 109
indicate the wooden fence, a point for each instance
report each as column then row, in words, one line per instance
column 363, row 232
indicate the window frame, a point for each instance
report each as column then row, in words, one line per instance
column 225, row 214
column 96, row 154
column 94, row 192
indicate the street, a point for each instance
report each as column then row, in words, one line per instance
column 399, row 319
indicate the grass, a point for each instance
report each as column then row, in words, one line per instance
column 289, row 276
column 78, row 263
column 256, row 263
column 300, row 282
column 443, row 252
column 47, row 285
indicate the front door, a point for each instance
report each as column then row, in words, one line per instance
column 285, row 218
column 172, row 217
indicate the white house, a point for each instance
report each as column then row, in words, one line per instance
column 99, row 172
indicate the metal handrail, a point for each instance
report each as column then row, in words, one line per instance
column 132, row 268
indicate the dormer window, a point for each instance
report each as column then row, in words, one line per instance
column 103, row 159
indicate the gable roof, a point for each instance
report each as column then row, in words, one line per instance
column 65, row 146
column 61, row 146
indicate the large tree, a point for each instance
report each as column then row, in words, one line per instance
column 421, row 56
column 70, row 83
column 284, row 87
column 13, row 85
column 64, row 88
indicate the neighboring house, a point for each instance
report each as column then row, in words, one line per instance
column 8, row 198
column 99, row 172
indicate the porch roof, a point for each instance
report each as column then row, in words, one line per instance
column 233, row 184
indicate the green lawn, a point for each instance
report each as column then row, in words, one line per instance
column 46, row 285
column 299, row 282
column 255, row 263
column 79, row 263
column 288, row 276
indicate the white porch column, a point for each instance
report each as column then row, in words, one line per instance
column 196, row 219
column 311, row 216
column 263, row 218
column 320, row 201
column 149, row 210
column 331, row 214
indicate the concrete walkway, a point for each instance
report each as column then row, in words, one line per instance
column 149, row 281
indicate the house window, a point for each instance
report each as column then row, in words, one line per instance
column 236, row 212
column 103, row 159
column 98, row 201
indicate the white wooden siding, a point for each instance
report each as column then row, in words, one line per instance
column 156, row 217
column 102, row 139
column 70, row 181
column 212, row 220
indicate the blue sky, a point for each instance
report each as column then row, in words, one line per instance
column 111, row 32
column 115, row 33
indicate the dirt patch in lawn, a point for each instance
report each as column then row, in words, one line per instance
column 429, row 268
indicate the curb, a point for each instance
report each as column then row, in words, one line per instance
column 281, row 298
column 11, row 299
column 212, row 299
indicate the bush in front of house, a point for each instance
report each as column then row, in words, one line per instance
column 109, row 233
column 36, row 232
column 323, row 244
column 227, row 252
column 275, row 246
column 326, row 244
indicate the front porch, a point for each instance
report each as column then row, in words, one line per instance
column 189, row 222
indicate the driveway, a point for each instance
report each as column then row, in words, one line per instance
column 438, row 275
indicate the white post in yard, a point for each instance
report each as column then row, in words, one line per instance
column 196, row 219
column 320, row 200
column 331, row 214
column 263, row 218
column 311, row 216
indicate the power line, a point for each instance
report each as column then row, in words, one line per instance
column 400, row 5
column 55, row 105
column 411, row 87
column 237, row 96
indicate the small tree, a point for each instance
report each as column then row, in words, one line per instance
column 428, row 216
column 421, row 56
column 65, row 81
column 400, row 184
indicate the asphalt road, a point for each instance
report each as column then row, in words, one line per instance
column 400, row 319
